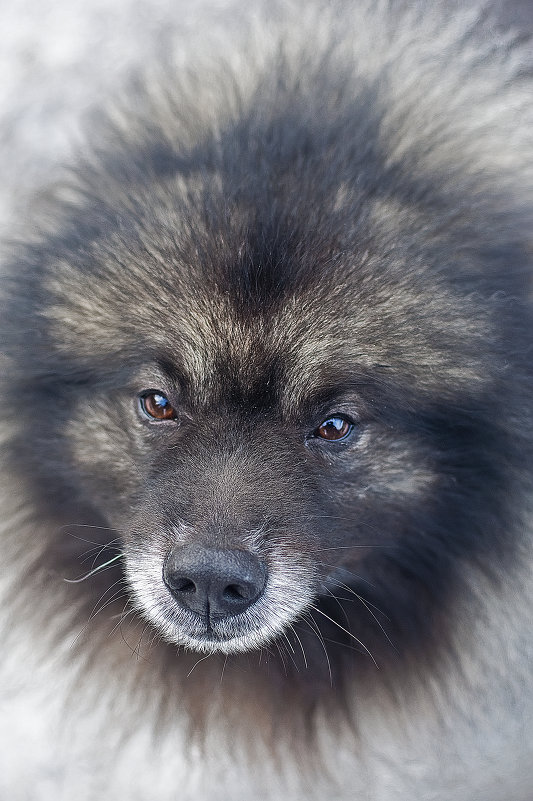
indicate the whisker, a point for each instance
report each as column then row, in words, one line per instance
column 349, row 633
column 95, row 570
column 135, row 651
column 349, row 572
column 69, row 533
column 301, row 646
column 101, row 604
column 367, row 606
column 202, row 659
column 223, row 668
column 281, row 656
column 316, row 630
column 290, row 652
column 122, row 616
column 97, row 608
column 102, row 549
column 360, row 597
column 351, row 547
column 339, row 604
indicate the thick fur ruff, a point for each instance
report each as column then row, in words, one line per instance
column 279, row 309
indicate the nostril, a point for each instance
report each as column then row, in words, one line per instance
column 236, row 592
column 183, row 585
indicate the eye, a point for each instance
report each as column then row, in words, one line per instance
column 157, row 406
column 334, row 429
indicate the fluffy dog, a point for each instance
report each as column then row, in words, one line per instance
column 267, row 424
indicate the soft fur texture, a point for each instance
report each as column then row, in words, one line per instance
column 333, row 221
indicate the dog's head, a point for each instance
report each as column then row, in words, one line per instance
column 273, row 393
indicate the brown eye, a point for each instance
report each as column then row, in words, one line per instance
column 157, row 406
column 334, row 429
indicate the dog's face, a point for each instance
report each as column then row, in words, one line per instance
column 251, row 470
column 256, row 479
column 271, row 408
column 260, row 451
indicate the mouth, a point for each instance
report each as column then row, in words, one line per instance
column 230, row 636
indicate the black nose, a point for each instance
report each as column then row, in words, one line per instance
column 214, row 582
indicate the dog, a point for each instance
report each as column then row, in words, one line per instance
column 267, row 426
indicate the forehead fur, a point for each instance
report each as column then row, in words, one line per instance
column 301, row 226
column 206, row 288
column 351, row 320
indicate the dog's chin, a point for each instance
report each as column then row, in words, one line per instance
column 232, row 636
column 210, row 643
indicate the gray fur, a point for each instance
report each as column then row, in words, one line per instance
column 329, row 216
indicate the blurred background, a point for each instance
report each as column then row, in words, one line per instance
column 58, row 58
